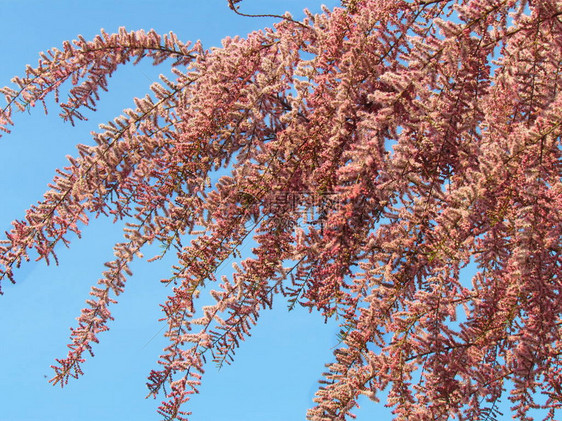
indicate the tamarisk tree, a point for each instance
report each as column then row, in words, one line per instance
column 371, row 152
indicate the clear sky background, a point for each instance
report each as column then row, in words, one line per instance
column 275, row 373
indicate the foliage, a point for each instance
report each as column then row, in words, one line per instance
column 372, row 152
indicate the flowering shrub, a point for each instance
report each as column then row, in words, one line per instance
column 372, row 152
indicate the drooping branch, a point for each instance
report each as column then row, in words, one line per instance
column 373, row 153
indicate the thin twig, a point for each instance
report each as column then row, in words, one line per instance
column 231, row 5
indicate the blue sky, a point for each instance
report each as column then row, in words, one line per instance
column 275, row 372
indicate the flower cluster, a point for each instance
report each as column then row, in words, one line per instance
column 425, row 133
